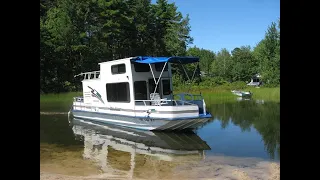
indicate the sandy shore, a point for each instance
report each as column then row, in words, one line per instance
column 218, row 168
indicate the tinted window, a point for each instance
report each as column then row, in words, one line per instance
column 166, row 87
column 138, row 67
column 152, row 86
column 159, row 67
column 118, row 92
column 118, row 69
column 140, row 90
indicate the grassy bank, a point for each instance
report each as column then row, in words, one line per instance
column 216, row 95
column 63, row 97
column 57, row 102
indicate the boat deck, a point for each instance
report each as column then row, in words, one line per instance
column 153, row 109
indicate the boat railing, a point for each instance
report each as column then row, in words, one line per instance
column 90, row 75
column 162, row 102
column 193, row 99
column 78, row 99
column 188, row 97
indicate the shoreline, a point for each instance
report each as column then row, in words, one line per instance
column 215, row 167
column 265, row 93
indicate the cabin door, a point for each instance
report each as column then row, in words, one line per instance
column 165, row 87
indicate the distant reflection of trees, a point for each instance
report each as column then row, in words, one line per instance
column 265, row 118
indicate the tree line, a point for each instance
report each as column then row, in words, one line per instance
column 242, row 63
column 75, row 35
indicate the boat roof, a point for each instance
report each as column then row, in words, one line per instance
column 172, row 59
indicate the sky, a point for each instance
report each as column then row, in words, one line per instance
column 217, row 24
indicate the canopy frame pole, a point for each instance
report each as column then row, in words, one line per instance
column 194, row 72
column 157, row 82
column 152, row 73
column 184, row 70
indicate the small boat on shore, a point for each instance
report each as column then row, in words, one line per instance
column 136, row 92
column 242, row 93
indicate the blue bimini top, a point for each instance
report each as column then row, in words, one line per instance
column 173, row 59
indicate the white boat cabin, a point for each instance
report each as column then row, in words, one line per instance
column 123, row 82
column 133, row 84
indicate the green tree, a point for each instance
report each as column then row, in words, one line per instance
column 222, row 66
column 244, row 64
column 268, row 54
column 171, row 30
column 206, row 58
column 76, row 34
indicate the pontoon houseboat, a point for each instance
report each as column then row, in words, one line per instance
column 136, row 92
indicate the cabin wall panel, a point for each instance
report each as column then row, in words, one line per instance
column 108, row 77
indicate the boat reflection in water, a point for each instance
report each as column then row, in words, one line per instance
column 142, row 154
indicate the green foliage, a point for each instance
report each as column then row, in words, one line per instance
column 215, row 81
column 244, row 64
column 206, row 58
column 75, row 35
column 268, row 54
column 222, row 66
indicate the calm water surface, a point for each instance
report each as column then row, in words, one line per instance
column 247, row 130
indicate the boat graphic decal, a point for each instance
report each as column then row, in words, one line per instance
column 96, row 94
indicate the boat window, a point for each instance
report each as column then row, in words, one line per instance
column 140, row 90
column 138, row 67
column 92, row 76
column 166, row 87
column 97, row 74
column 118, row 92
column 152, row 86
column 118, row 69
column 159, row 67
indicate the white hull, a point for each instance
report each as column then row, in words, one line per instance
column 143, row 123
column 241, row 93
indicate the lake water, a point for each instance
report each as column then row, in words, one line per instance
column 243, row 137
